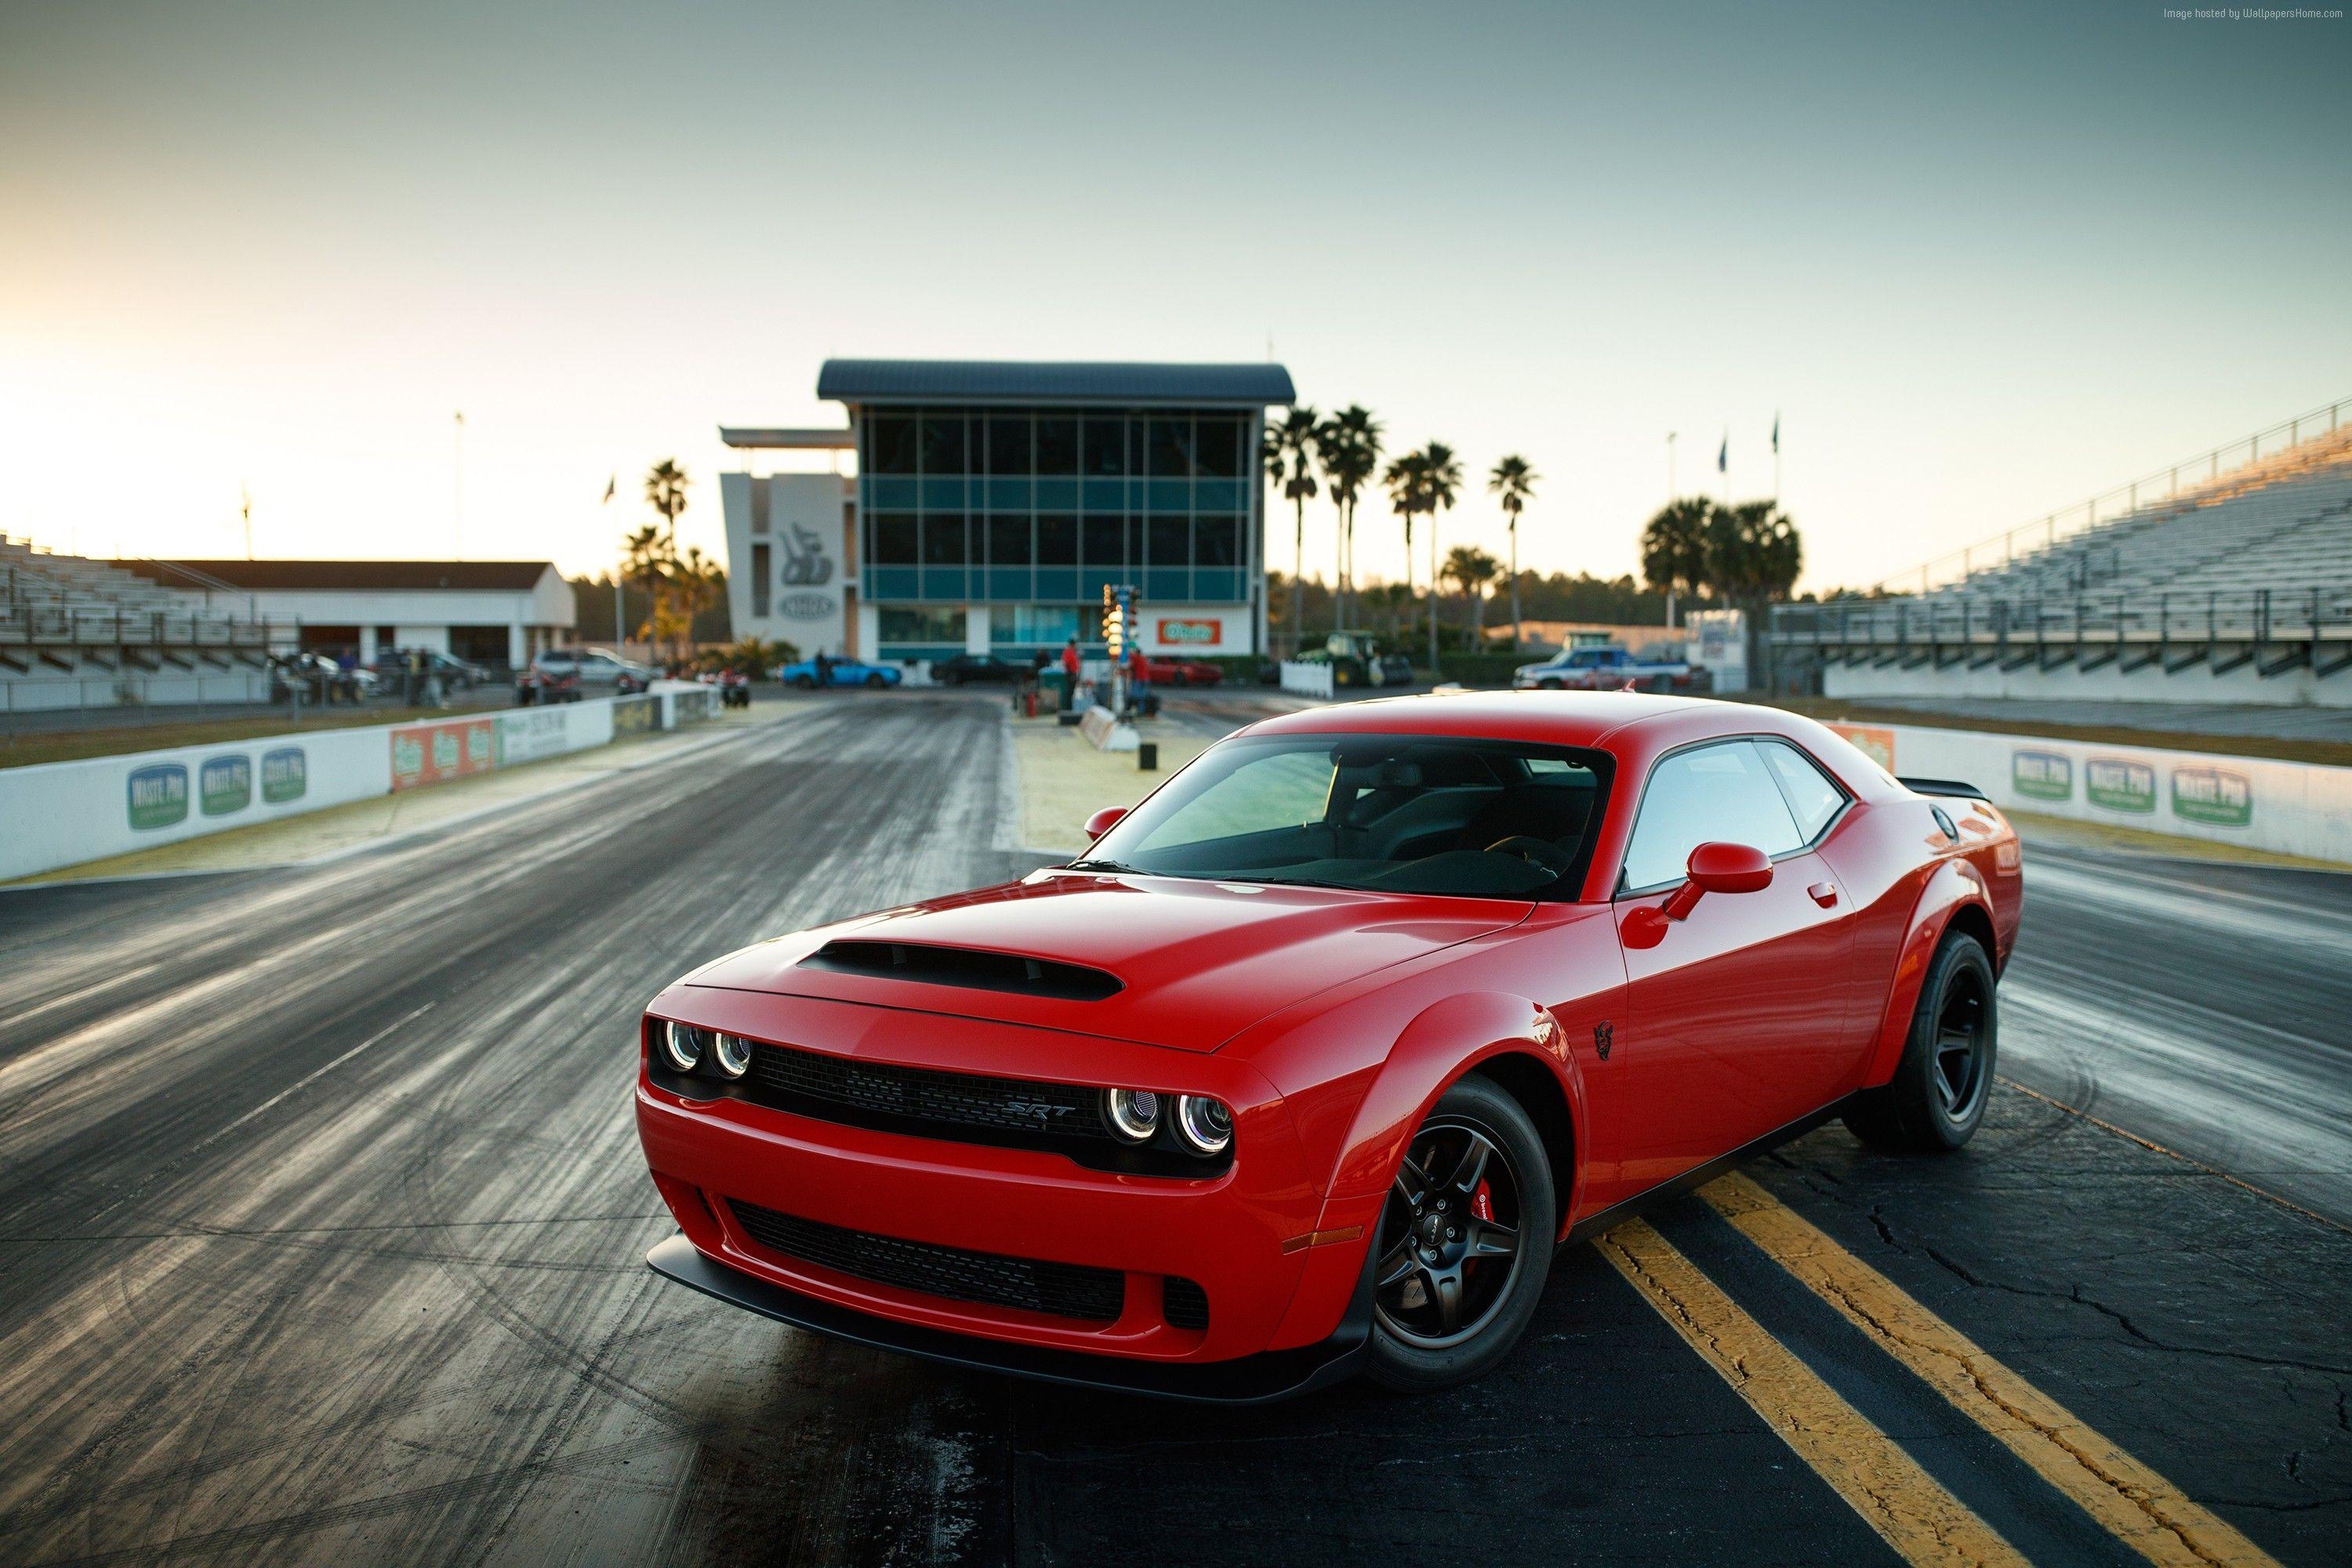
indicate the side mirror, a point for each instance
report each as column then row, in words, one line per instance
column 1718, row 868
column 1103, row 821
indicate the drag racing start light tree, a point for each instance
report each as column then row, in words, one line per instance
column 1118, row 634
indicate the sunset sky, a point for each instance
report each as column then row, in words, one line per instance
column 1982, row 260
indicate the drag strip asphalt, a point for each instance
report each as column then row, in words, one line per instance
column 322, row 1221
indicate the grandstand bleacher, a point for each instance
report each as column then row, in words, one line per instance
column 2237, row 588
column 81, row 633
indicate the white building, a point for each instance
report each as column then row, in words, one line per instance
column 497, row 612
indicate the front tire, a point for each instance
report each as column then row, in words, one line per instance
column 1936, row 1098
column 1464, row 1243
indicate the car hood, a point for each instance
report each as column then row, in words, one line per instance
column 1193, row 962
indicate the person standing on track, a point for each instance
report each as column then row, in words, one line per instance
column 1069, row 674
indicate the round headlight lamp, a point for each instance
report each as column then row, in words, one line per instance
column 1133, row 1113
column 1205, row 1125
column 681, row 1046
column 731, row 1054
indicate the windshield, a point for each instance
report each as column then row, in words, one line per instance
column 1404, row 814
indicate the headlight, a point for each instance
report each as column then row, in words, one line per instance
column 1133, row 1113
column 732, row 1053
column 681, row 1046
column 1205, row 1125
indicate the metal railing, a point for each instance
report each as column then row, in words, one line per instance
column 2161, row 487
column 2256, row 614
column 28, row 622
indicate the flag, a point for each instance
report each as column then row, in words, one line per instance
column 612, row 485
column 1776, row 432
column 1723, row 457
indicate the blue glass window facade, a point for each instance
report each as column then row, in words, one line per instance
column 1043, row 507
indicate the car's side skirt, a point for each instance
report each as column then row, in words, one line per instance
column 1700, row 1175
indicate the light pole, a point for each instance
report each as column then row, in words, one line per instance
column 1670, row 467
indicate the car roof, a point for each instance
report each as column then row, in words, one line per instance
column 1635, row 726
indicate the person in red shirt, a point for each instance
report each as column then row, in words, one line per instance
column 1138, row 680
column 1069, row 673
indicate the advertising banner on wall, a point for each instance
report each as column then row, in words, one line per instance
column 428, row 753
column 2292, row 808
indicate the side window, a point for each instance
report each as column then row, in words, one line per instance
column 1812, row 796
column 1718, row 793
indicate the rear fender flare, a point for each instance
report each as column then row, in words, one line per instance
column 1954, row 884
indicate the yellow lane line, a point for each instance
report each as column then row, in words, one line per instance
column 1870, row 1470
column 2129, row 1500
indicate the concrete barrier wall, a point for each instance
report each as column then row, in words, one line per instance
column 2288, row 808
column 64, row 814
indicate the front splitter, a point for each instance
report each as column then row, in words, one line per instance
column 1259, row 1379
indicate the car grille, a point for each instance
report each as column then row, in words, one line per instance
column 918, row 1099
column 1185, row 1304
column 1056, row 1290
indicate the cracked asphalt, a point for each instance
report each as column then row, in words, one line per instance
column 321, row 1222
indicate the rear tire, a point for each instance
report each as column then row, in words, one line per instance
column 1453, row 1292
column 1936, row 1098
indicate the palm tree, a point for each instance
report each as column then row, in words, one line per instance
column 1349, row 443
column 1403, row 479
column 646, row 558
column 1289, row 453
column 1674, row 550
column 665, row 485
column 1471, row 569
column 1441, row 477
column 1513, row 483
column 1753, row 557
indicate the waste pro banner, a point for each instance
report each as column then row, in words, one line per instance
column 2288, row 808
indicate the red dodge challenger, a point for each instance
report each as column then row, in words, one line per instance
column 1313, row 1059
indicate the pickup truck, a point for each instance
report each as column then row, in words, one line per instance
column 1609, row 669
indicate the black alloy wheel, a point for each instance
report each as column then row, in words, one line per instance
column 1943, row 1082
column 1464, row 1243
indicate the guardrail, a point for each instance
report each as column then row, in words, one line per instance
column 1304, row 679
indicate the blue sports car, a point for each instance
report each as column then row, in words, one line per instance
column 837, row 673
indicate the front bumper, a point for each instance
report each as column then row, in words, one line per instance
column 1277, row 1266
column 1259, row 1379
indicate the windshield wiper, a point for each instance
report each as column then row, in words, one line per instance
column 1105, row 866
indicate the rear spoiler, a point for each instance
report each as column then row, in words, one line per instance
column 1952, row 787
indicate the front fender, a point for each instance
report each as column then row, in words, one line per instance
column 1445, row 1039
column 1954, row 884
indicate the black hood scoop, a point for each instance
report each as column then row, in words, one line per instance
column 972, row 969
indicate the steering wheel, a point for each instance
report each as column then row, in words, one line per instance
column 1536, row 852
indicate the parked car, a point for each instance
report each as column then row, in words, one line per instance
column 1167, row 669
column 1605, row 668
column 966, row 667
column 596, row 669
column 1356, row 659
column 318, row 678
column 535, row 686
column 1311, row 1060
column 455, row 674
column 838, row 673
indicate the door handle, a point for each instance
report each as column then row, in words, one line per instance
column 1823, row 894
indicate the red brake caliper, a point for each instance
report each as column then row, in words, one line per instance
column 1483, row 1205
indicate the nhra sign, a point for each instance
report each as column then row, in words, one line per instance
column 159, row 794
column 428, row 753
column 1192, row 633
column 536, row 733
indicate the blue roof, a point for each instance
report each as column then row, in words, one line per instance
column 1046, row 381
